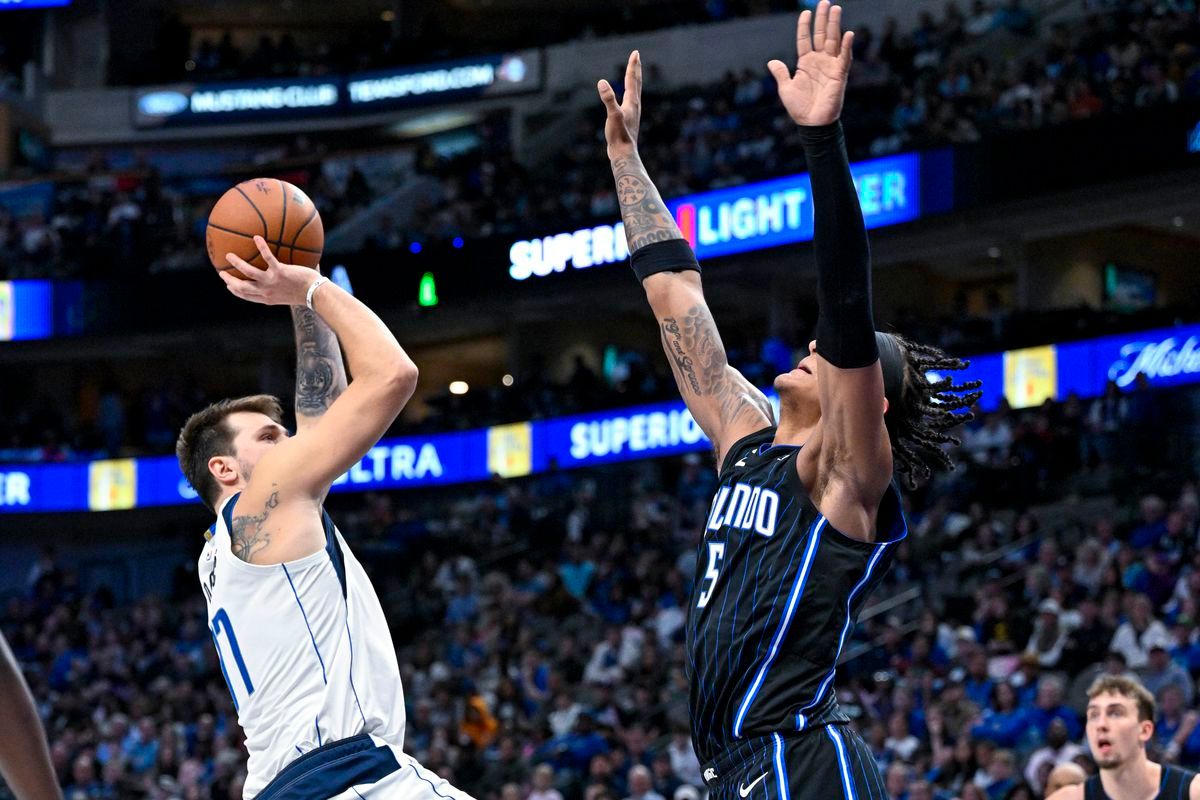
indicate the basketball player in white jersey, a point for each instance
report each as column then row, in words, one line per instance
column 301, row 636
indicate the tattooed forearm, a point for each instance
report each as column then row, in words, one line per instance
column 249, row 533
column 320, row 374
column 717, row 394
column 681, row 362
column 642, row 209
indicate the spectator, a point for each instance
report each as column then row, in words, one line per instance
column 1161, row 672
column 1050, row 707
column 1003, row 723
column 1057, row 749
column 641, row 784
column 543, row 784
column 1049, row 635
column 1139, row 633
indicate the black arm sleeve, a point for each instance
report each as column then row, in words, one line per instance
column 845, row 326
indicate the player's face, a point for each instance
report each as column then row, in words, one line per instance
column 1114, row 732
column 255, row 434
column 800, row 384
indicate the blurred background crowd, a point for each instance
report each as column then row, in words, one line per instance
column 539, row 624
column 973, row 74
column 539, row 620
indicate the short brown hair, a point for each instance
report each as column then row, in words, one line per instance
column 206, row 435
column 1126, row 687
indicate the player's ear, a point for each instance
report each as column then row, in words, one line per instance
column 224, row 469
column 1146, row 730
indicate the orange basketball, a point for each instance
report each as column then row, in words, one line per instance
column 273, row 209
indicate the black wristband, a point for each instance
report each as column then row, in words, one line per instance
column 673, row 255
column 821, row 135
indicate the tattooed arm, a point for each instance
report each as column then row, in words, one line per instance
column 320, row 373
column 275, row 520
column 724, row 404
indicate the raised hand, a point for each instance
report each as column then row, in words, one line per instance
column 277, row 284
column 814, row 95
column 624, row 119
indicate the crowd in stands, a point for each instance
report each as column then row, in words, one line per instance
column 971, row 75
column 108, row 222
column 102, row 417
column 539, row 625
column 429, row 36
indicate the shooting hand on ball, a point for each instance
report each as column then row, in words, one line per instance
column 277, row 285
column 624, row 119
column 814, row 95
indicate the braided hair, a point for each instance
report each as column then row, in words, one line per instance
column 919, row 421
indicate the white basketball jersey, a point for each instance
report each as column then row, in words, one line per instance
column 305, row 649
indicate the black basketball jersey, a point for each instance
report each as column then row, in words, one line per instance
column 1175, row 785
column 777, row 592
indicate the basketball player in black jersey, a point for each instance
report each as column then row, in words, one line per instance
column 806, row 516
column 1120, row 721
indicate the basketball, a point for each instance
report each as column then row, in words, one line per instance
column 273, row 209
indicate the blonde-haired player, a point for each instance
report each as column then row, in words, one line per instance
column 1120, row 721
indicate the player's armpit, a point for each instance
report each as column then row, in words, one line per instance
column 725, row 405
column 847, row 463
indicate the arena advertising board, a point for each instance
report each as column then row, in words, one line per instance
column 14, row 5
column 735, row 220
column 1166, row 357
column 295, row 98
column 26, row 310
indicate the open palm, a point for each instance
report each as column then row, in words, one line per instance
column 814, row 94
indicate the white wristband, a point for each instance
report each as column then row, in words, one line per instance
column 313, row 288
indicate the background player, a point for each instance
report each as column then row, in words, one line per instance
column 1120, row 721
column 802, row 524
column 302, row 638
column 24, row 758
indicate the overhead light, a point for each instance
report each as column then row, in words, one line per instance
column 507, row 380
column 993, row 252
column 387, row 15
column 1177, row 222
column 434, row 122
column 458, row 387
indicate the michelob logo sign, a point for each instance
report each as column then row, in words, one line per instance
column 735, row 220
column 1169, row 360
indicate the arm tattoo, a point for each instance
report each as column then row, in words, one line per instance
column 249, row 534
column 701, row 369
column 642, row 209
column 320, row 374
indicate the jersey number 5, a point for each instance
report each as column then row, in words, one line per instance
column 221, row 623
column 716, row 554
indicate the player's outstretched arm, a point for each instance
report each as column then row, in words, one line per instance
column 24, row 757
column 303, row 467
column 724, row 404
column 853, row 454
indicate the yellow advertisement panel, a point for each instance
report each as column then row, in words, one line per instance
column 112, row 485
column 7, row 311
column 510, row 450
column 1031, row 376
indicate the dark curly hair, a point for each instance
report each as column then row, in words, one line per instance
column 919, row 420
